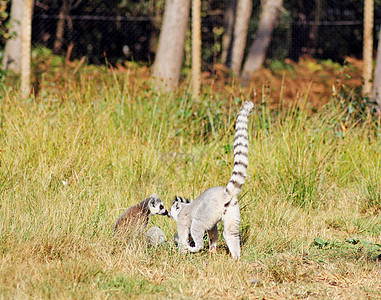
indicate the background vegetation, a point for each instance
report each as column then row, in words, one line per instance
column 87, row 147
column 100, row 29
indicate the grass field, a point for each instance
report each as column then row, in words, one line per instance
column 72, row 159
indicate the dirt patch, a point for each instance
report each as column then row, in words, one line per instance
column 288, row 82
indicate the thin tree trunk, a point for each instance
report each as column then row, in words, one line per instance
column 315, row 26
column 257, row 53
column 227, row 38
column 376, row 95
column 368, row 47
column 242, row 19
column 170, row 53
column 61, row 26
column 12, row 52
column 26, row 38
column 196, row 47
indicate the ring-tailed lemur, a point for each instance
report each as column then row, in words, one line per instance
column 218, row 203
column 138, row 215
column 176, row 207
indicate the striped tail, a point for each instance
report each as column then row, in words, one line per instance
column 241, row 150
column 181, row 200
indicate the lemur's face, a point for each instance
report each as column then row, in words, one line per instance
column 156, row 206
column 176, row 207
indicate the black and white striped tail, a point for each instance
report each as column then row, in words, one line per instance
column 181, row 200
column 241, row 150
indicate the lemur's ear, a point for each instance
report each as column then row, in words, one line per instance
column 153, row 196
column 152, row 202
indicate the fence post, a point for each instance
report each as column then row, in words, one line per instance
column 26, row 33
column 368, row 47
column 196, row 47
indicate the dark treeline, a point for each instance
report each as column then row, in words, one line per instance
column 116, row 31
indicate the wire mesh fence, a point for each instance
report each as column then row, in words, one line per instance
column 117, row 31
column 98, row 38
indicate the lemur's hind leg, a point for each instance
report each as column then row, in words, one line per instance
column 197, row 233
column 231, row 221
column 213, row 237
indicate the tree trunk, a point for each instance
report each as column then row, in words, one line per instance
column 170, row 53
column 227, row 38
column 257, row 52
column 12, row 52
column 61, row 26
column 242, row 19
column 376, row 95
column 368, row 47
column 315, row 27
column 26, row 38
column 196, row 47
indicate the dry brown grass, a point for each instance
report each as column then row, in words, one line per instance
column 71, row 162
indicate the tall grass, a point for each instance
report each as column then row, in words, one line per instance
column 71, row 162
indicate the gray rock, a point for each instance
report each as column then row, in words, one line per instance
column 155, row 236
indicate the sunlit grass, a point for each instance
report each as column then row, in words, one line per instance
column 72, row 160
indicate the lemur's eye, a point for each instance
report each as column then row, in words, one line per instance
column 161, row 207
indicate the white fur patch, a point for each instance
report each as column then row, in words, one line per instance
column 241, row 158
column 241, row 149
column 240, row 168
column 242, row 119
column 242, row 140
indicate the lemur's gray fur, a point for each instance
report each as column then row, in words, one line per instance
column 217, row 203
column 138, row 215
column 176, row 207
